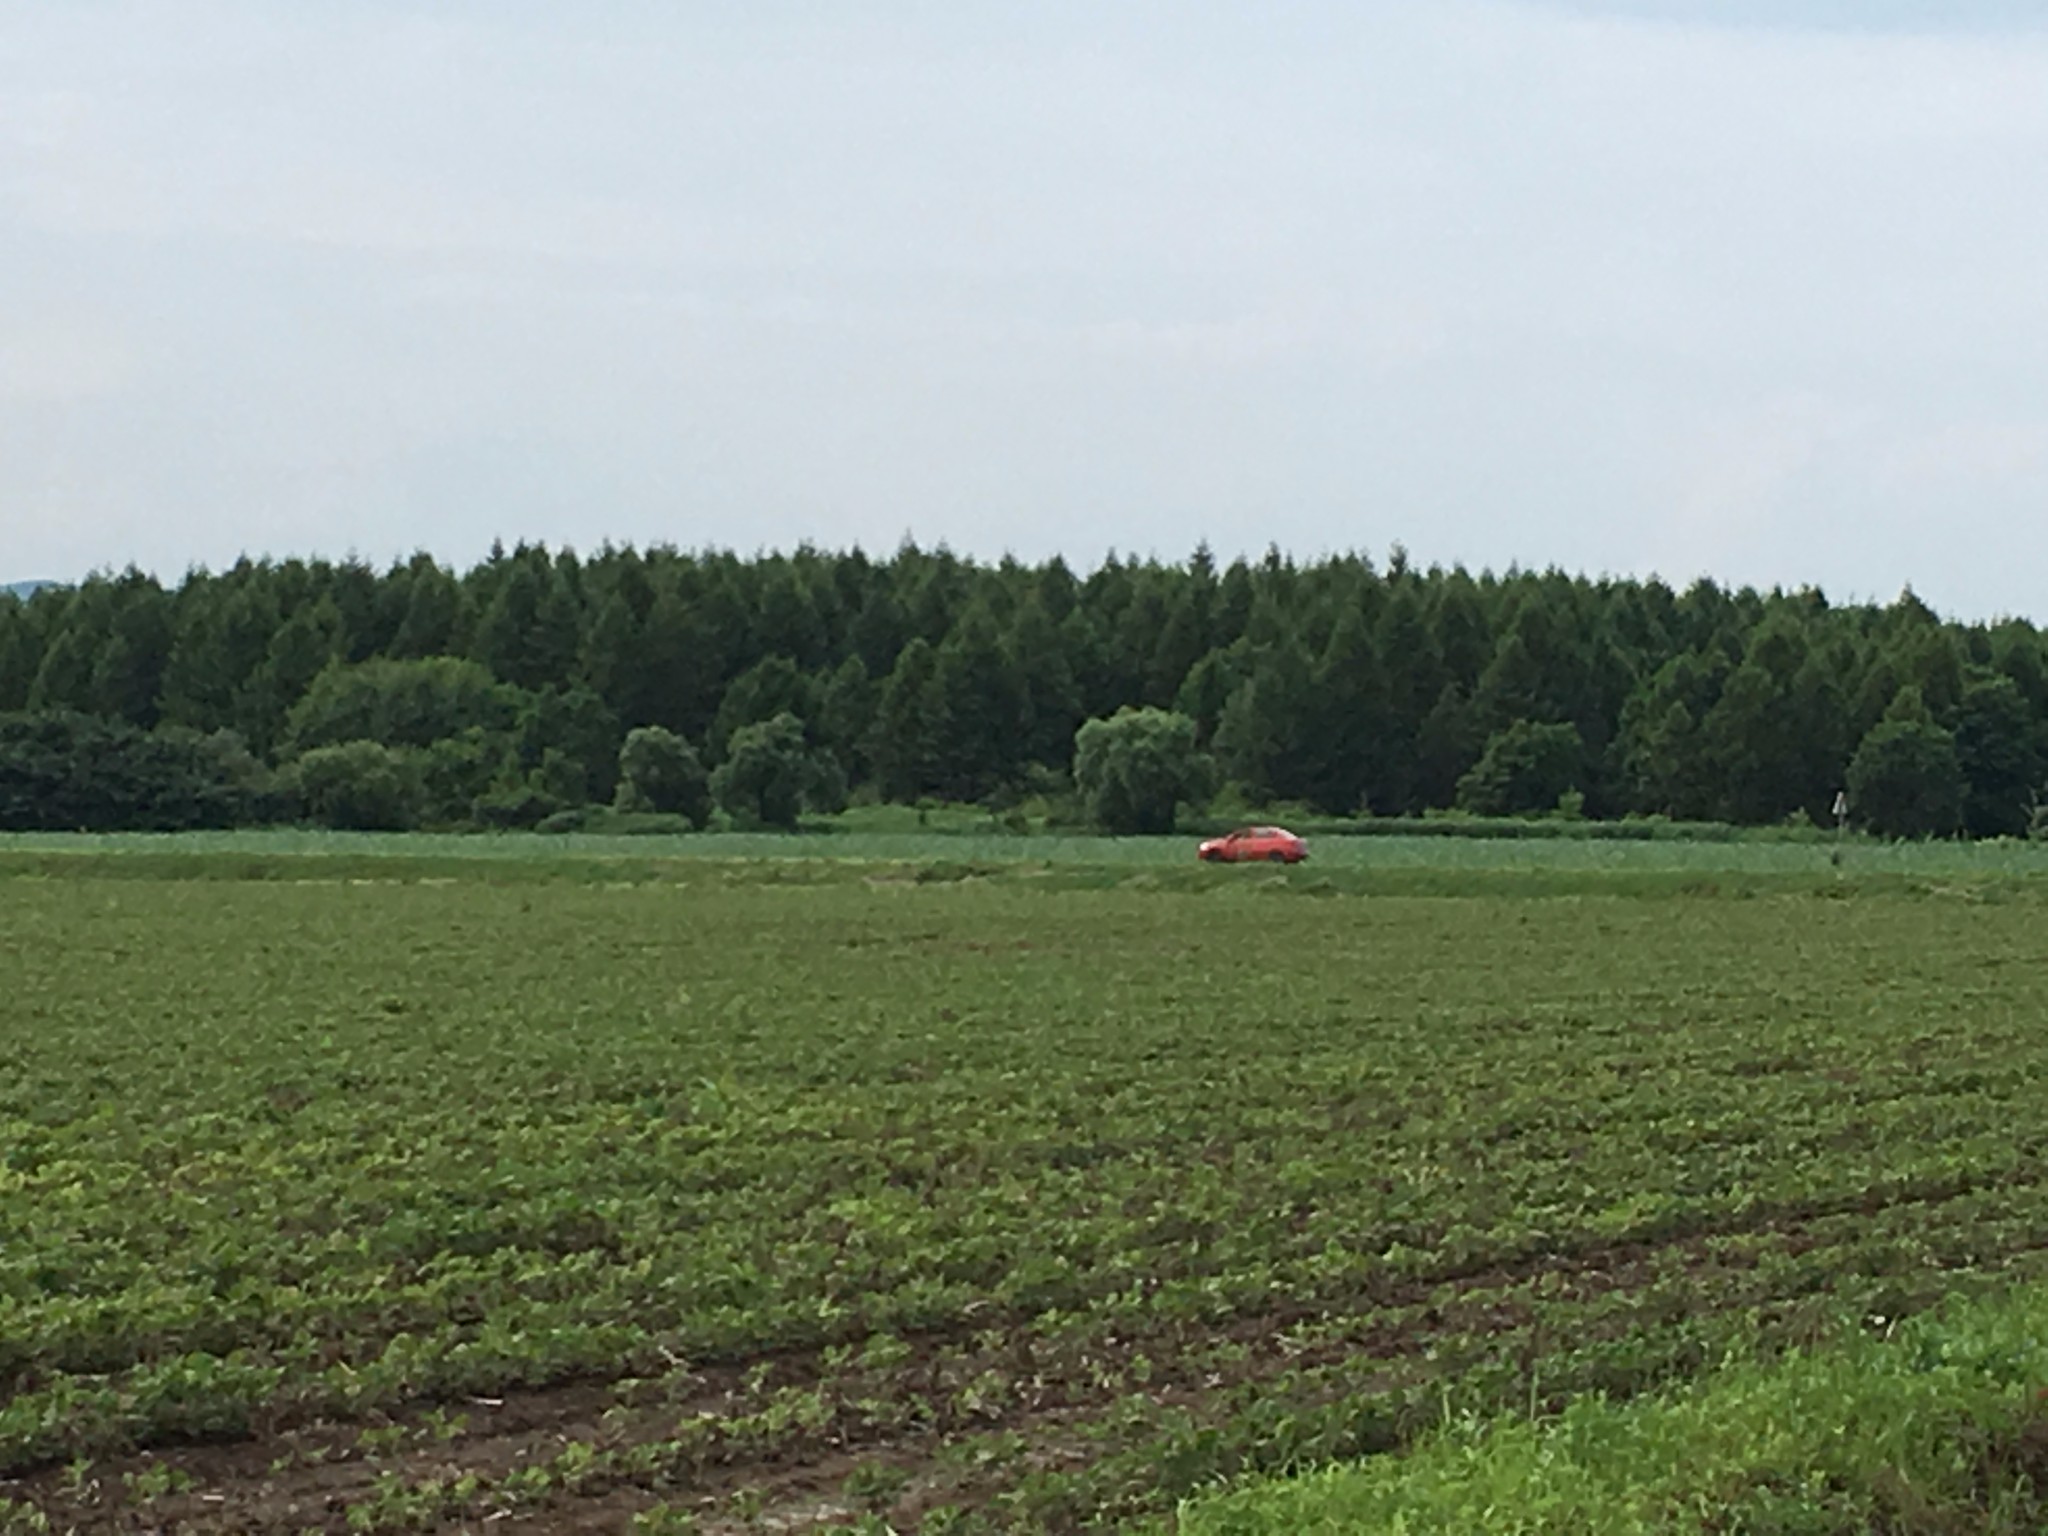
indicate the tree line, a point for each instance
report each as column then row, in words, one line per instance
column 510, row 690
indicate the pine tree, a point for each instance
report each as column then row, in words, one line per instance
column 846, row 714
column 1413, row 667
column 64, row 678
column 530, row 635
column 128, row 676
column 1664, row 765
column 432, row 622
column 1208, row 687
column 773, row 686
column 907, row 743
column 1999, row 749
column 985, row 702
column 1052, row 695
column 675, row 682
column 354, row 587
column 1261, row 737
column 308, row 642
column 1447, row 744
column 18, row 655
column 612, row 657
column 1345, row 730
column 222, row 635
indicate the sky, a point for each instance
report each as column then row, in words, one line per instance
column 1751, row 290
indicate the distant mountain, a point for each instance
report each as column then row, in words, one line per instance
column 24, row 589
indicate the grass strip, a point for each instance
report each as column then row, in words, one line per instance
column 1937, row 1425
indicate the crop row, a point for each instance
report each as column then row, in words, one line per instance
column 802, row 1170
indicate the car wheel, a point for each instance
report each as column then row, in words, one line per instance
column 1276, row 857
column 1212, row 857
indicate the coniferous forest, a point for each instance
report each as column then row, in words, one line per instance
column 421, row 695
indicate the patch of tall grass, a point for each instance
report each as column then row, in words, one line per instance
column 1939, row 1427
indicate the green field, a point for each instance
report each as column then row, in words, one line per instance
column 1333, row 853
column 404, row 1188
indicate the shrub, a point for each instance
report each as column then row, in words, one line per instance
column 514, row 807
column 64, row 772
column 360, row 786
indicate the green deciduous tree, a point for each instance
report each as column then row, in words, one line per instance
column 1136, row 769
column 771, row 775
column 399, row 703
column 360, row 786
column 1527, row 768
column 660, row 771
column 1906, row 780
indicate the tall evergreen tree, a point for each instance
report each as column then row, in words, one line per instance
column 222, row 637
column 774, row 686
column 1412, row 664
column 128, row 676
column 1666, row 765
column 1261, row 738
column 18, row 655
column 1447, row 745
column 1999, row 750
column 1052, row 694
column 985, row 701
column 1208, row 687
column 530, row 636
column 908, row 743
column 432, row 622
column 1346, row 724
column 305, row 644
column 846, row 713
column 676, row 681
column 64, row 679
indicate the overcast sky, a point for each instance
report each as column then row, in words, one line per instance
column 1755, row 289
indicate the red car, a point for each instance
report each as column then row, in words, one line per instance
column 1273, row 844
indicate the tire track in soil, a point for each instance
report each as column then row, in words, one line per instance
column 295, row 1480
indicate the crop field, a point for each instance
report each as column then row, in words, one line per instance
column 715, row 1196
column 1351, row 855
